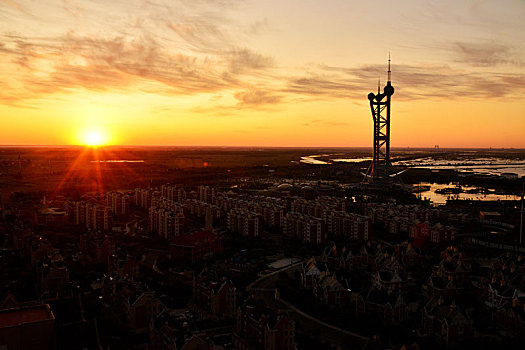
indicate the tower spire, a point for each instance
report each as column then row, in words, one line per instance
column 389, row 72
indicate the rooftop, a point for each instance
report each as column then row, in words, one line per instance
column 18, row 316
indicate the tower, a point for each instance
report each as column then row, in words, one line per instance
column 380, row 171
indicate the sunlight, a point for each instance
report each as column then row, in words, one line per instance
column 94, row 138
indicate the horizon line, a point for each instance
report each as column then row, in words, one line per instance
column 255, row 146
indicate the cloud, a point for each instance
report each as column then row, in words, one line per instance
column 487, row 54
column 411, row 81
column 200, row 33
column 13, row 4
column 120, row 63
column 245, row 61
column 197, row 54
column 185, row 48
column 256, row 97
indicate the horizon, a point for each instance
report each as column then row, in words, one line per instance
column 430, row 148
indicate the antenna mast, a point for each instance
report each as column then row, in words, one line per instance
column 521, row 214
column 389, row 72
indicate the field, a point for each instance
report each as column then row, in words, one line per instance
column 75, row 170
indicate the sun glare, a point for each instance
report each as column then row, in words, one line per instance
column 94, row 138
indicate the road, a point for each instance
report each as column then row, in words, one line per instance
column 264, row 288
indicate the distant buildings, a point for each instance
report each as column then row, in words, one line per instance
column 90, row 214
column 173, row 193
column 167, row 223
column 144, row 196
column 355, row 227
column 207, row 194
column 306, row 228
column 51, row 217
column 412, row 219
column 118, row 202
column 245, row 222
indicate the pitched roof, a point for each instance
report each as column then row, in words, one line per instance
column 18, row 316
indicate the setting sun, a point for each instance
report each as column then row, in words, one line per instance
column 94, row 138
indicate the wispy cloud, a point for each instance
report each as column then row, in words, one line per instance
column 180, row 47
column 256, row 97
column 48, row 66
column 413, row 82
column 197, row 54
column 488, row 54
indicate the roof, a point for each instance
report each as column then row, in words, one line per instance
column 381, row 297
column 52, row 211
column 445, row 311
column 441, row 282
column 389, row 276
column 490, row 213
column 19, row 316
column 195, row 238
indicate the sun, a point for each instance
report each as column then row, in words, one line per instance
column 94, row 138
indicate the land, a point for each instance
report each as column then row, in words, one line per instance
column 80, row 231
column 76, row 170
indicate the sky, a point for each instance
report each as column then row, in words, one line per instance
column 261, row 73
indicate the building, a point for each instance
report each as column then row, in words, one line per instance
column 90, row 214
column 51, row 217
column 27, row 328
column 311, row 271
column 389, row 281
column 258, row 327
column 245, row 222
column 511, row 318
column 419, row 232
column 306, row 228
column 355, row 227
column 330, row 290
column 217, row 297
column 446, row 321
column 440, row 233
column 144, row 196
column 387, row 306
column 173, row 193
column 118, row 202
column 489, row 216
column 195, row 247
column 167, row 223
column 207, row 194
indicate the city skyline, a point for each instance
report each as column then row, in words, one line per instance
column 267, row 73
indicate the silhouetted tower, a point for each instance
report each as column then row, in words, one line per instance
column 381, row 167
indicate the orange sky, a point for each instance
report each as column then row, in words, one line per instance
column 261, row 73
